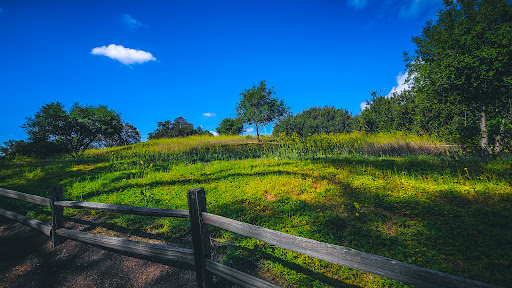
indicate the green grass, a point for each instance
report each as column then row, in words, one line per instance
column 394, row 195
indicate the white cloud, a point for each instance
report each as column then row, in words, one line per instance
column 358, row 4
column 249, row 130
column 214, row 133
column 401, row 79
column 124, row 55
column 208, row 114
column 132, row 23
column 419, row 7
column 401, row 84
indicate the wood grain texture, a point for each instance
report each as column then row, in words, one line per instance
column 123, row 209
column 389, row 268
column 237, row 277
column 41, row 226
column 141, row 248
column 23, row 196
column 200, row 236
column 57, row 213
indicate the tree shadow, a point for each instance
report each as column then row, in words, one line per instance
column 88, row 225
column 452, row 233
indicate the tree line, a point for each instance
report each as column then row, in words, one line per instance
column 460, row 89
column 460, row 79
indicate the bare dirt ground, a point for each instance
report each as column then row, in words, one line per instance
column 27, row 259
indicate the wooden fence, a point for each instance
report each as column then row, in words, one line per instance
column 199, row 256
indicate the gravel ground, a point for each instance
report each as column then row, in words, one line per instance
column 28, row 260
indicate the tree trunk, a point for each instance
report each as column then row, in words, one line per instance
column 484, row 141
column 258, row 133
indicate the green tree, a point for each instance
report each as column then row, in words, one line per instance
column 129, row 135
column 180, row 127
column 316, row 120
column 259, row 107
column 88, row 124
column 230, row 126
column 463, row 65
column 52, row 130
column 382, row 114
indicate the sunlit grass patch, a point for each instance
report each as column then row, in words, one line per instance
column 451, row 214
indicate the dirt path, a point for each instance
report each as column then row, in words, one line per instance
column 28, row 260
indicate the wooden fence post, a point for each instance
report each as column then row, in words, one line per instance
column 200, row 236
column 57, row 212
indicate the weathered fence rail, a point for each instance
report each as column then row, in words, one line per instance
column 199, row 256
column 136, row 247
column 144, row 211
column 344, row 256
column 41, row 226
column 26, row 197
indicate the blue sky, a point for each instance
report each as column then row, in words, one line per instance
column 157, row 60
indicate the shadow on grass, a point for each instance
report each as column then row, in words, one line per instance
column 451, row 234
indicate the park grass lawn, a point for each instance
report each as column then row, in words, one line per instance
column 447, row 213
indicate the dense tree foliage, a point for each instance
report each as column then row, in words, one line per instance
column 230, row 126
column 129, row 135
column 180, row 127
column 315, row 121
column 462, row 69
column 259, row 107
column 53, row 130
column 383, row 114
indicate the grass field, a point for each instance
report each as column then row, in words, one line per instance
column 400, row 196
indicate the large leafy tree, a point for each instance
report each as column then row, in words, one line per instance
column 230, row 126
column 259, row 107
column 463, row 64
column 393, row 113
column 316, row 120
column 129, row 135
column 89, row 123
column 53, row 130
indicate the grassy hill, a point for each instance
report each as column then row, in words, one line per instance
column 400, row 196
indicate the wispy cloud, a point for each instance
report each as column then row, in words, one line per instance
column 417, row 8
column 132, row 23
column 124, row 55
column 358, row 4
column 214, row 133
column 208, row 114
column 249, row 130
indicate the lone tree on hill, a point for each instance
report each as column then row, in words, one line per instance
column 258, row 107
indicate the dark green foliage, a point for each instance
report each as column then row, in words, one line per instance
column 21, row 147
column 463, row 68
column 384, row 114
column 179, row 128
column 129, row 135
column 87, row 124
column 316, row 120
column 52, row 130
column 259, row 107
column 230, row 126
column 500, row 134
